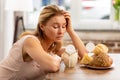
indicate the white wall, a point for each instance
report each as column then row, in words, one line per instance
column 1, row 31
column 6, row 30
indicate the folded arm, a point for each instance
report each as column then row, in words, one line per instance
column 34, row 49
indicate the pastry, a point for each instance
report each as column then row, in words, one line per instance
column 70, row 56
column 99, row 48
column 100, row 57
column 101, row 60
column 86, row 59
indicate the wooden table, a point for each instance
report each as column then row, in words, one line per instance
column 82, row 73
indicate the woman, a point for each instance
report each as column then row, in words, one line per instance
column 36, row 53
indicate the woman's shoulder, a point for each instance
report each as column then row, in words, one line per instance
column 27, row 38
column 30, row 38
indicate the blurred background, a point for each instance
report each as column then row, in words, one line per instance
column 93, row 20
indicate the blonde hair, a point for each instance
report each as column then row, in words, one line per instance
column 46, row 14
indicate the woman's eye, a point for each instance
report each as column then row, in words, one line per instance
column 64, row 26
column 55, row 27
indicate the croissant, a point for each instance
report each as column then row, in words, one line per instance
column 86, row 59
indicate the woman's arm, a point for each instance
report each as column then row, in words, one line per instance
column 77, row 43
column 34, row 49
column 75, row 38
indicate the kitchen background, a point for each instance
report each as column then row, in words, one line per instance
column 93, row 20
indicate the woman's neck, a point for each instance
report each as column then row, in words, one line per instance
column 46, row 44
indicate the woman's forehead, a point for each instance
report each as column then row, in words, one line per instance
column 57, row 19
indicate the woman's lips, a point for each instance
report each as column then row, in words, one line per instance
column 59, row 37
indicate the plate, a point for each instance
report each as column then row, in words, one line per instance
column 99, row 68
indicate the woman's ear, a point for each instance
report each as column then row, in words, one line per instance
column 41, row 27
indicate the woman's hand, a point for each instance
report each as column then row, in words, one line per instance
column 79, row 45
column 56, row 57
column 57, row 61
column 68, row 21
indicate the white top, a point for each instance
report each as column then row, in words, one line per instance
column 14, row 68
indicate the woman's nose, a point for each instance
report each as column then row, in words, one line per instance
column 61, row 30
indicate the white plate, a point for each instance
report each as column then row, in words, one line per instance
column 99, row 68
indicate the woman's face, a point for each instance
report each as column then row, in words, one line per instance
column 55, row 28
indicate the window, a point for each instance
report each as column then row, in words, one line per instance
column 86, row 14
